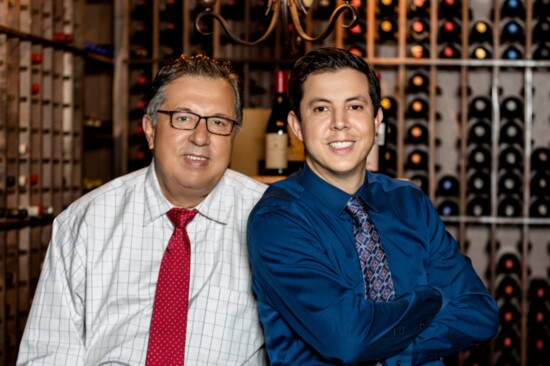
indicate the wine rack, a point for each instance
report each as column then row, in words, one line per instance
column 466, row 64
column 41, row 104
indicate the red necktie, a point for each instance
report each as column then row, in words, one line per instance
column 169, row 321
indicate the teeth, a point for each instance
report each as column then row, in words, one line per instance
column 341, row 144
column 193, row 157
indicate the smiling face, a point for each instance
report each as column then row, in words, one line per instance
column 189, row 164
column 337, row 126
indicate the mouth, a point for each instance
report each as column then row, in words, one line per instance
column 338, row 145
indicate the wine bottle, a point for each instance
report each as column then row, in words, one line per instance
column 539, row 290
column 450, row 31
column 509, row 207
column 276, row 143
column 419, row 30
column 538, row 314
column 508, row 288
column 388, row 161
column 541, row 7
column 478, row 206
column 417, row 134
column 422, row 181
column 418, row 108
column 509, row 315
column 540, row 159
column 448, row 207
column 509, row 264
column 511, row 132
column 538, row 341
column 359, row 49
column 389, row 106
column 419, row 82
column 509, row 183
column 512, row 52
column 450, row 51
column 481, row 53
column 450, row 9
column 387, row 7
column 512, row 32
column 480, row 107
column 419, row 50
column 417, row 159
column 540, row 183
column 540, row 207
column 481, row 32
column 512, row 9
column 419, row 8
column 541, row 30
column 541, row 52
column 448, row 186
column 391, row 131
column 387, row 30
column 480, row 132
column 479, row 182
column 510, row 158
column 356, row 34
column 479, row 157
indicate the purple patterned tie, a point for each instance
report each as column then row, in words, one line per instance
column 374, row 265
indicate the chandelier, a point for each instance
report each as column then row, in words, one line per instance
column 283, row 11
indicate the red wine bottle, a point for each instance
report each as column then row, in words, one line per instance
column 511, row 132
column 479, row 157
column 478, row 206
column 448, row 186
column 540, row 207
column 509, row 183
column 509, row 264
column 539, row 290
column 508, row 288
column 481, row 32
column 540, row 159
column 276, row 153
column 509, row 206
column 509, row 315
column 479, row 182
column 480, row 107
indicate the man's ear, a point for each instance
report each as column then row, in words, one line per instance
column 295, row 125
column 149, row 130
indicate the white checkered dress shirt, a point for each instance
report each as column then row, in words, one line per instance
column 94, row 301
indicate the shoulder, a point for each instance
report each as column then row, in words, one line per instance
column 111, row 194
column 244, row 184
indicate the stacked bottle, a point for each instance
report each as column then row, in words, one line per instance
column 541, row 30
column 481, row 40
column 508, row 296
column 479, row 156
column 356, row 35
column 538, row 333
column 170, row 29
column 512, row 32
column 141, row 41
column 418, row 36
column 540, row 182
column 510, row 181
column 387, row 163
column 450, row 28
column 417, row 133
column 387, row 21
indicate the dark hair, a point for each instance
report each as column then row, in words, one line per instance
column 329, row 59
column 198, row 65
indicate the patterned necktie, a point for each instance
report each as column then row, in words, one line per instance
column 169, row 321
column 374, row 265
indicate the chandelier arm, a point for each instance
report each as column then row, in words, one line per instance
column 229, row 32
column 331, row 23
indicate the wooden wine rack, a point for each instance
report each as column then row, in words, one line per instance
column 41, row 73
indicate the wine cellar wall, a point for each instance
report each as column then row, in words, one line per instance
column 40, row 145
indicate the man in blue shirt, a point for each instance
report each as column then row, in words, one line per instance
column 312, row 295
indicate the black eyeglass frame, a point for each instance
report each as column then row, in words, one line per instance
column 171, row 114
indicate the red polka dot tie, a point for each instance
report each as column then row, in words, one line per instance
column 169, row 321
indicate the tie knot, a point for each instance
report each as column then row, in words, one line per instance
column 180, row 217
column 356, row 208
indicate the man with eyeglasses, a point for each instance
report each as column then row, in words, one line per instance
column 119, row 284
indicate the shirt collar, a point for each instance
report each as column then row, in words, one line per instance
column 332, row 197
column 213, row 207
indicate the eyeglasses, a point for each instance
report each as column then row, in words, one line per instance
column 182, row 120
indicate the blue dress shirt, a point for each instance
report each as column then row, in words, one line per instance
column 309, row 285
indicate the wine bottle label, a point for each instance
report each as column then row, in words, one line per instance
column 296, row 150
column 276, row 150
